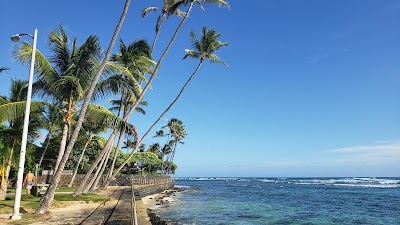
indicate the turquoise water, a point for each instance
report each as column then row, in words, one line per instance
column 285, row 201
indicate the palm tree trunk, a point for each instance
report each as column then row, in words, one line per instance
column 80, row 159
column 98, row 177
column 126, row 117
column 109, row 143
column 49, row 136
column 63, row 143
column 4, row 183
column 99, row 171
column 159, row 118
column 172, row 157
column 48, row 197
column 154, row 74
column 154, row 42
column 121, row 136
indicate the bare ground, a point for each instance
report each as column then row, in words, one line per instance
column 69, row 212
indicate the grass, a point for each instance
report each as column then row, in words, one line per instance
column 83, row 197
column 59, row 189
column 30, row 203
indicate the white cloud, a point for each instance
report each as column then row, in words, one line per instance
column 382, row 146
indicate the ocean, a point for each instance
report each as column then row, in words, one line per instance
column 285, row 201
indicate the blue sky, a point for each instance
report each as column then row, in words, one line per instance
column 312, row 87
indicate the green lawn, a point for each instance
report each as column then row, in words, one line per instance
column 59, row 189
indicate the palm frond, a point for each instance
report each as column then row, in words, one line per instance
column 2, row 69
column 221, row 3
column 205, row 47
column 147, row 10
column 191, row 54
column 102, row 117
column 11, row 111
column 43, row 68
column 58, row 44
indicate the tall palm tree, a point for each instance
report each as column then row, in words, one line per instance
column 48, row 197
column 66, row 75
column 170, row 7
column 204, row 49
column 136, row 60
column 177, row 131
column 221, row 3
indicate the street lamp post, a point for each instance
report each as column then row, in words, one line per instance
column 17, row 202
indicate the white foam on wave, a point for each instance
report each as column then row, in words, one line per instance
column 268, row 181
column 353, row 182
column 182, row 186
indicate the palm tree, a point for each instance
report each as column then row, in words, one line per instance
column 221, row 3
column 48, row 197
column 177, row 131
column 136, row 60
column 170, row 7
column 66, row 76
column 11, row 113
column 204, row 49
column 98, row 119
column 51, row 122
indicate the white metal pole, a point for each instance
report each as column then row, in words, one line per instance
column 17, row 202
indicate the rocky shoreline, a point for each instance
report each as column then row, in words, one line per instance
column 162, row 199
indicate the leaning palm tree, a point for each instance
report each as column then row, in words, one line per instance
column 221, row 3
column 98, row 120
column 204, row 49
column 48, row 197
column 170, row 7
column 136, row 60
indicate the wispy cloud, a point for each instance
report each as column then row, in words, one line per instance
column 380, row 153
column 382, row 146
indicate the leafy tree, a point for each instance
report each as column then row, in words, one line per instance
column 156, row 149
column 147, row 161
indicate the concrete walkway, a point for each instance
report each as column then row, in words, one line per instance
column 143, row 218
column 122, row 212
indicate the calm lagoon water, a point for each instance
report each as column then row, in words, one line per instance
column 285, row 201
